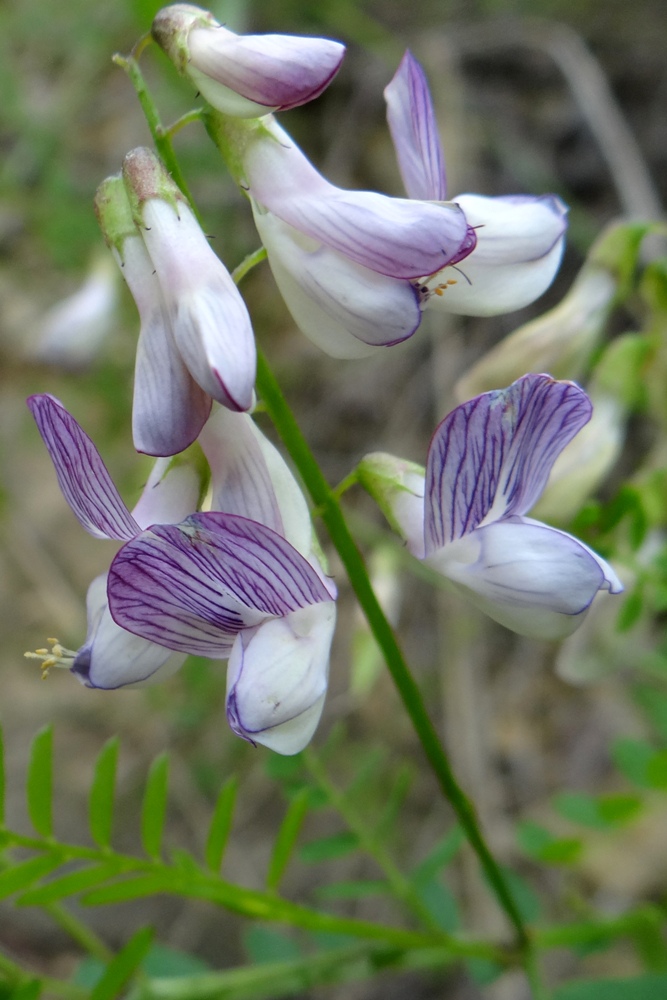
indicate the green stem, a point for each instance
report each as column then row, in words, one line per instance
column 402, row 888
column 324, row 498
column 79, row 932
column 161, row 135
column 247, row 264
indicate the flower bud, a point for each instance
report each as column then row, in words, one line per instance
column 245, row 76
column 397, row 486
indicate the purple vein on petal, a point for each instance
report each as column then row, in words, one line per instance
column 194, row 586
column 493, row 454
column 82, row 475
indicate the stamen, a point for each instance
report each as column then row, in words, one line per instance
column 426, row 291
column 57, row 656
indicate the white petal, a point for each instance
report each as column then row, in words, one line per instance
column 345, row 309
column 249, row 477
column 113, row 658
column 533, row 579
column 170, row 495
column 277, row 678
column 209, row 319
column 519, row 248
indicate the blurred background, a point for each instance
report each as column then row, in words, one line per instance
column 533, row 96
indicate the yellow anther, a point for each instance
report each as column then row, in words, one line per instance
column 57, row 656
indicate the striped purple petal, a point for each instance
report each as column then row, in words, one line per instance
column 82, row 475
column 490, row 458
column 414, row 132
column 193, row 586
column 393, row 236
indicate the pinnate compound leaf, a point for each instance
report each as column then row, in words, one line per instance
column 39, row 786
column 101, row 802
column 26, row 873
column 70, row 885
column 648, row 987
column 121, row 968
column 154, row 808
column 221, row 825
column 287, row 838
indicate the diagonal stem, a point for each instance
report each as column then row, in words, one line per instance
column 324, row 498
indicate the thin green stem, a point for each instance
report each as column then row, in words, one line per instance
column 345, row 484
column 187, row 119
column 332, row 516
column 161, row 135
column 247, row 264
column 401, row 886
column 79, row 932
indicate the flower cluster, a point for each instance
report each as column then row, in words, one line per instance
column 218, row 557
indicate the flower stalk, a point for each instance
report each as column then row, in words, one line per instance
column 325, row 499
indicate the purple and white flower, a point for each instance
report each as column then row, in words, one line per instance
column 245, row 76
column 488, row 463
column 349, row 264
column 196, row 342
column 228, row 583
column 519, row 237
column 111, row 657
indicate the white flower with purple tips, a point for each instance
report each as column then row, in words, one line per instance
column 219, row 584
column 245, row 75
column 519, row 237
column 196, row 342
column 488, row 463
column 348, row 263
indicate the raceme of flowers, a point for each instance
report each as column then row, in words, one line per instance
column 218, row 557
column 487, row 464
column 241, row 581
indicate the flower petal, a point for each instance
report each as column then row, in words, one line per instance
column 169, row 408
column 414, row 132
column 209, row 319
column 170, row 495
column 82, row 475
column 250, row 478
column 519, row 248
column 111, row 657
column 346, row 309
column 272, row 72
column 491, row 456
column 393, row 236
column 533, row 579
column 277, row 678
column 195, row 585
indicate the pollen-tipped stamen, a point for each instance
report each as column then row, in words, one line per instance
column 57, row 656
